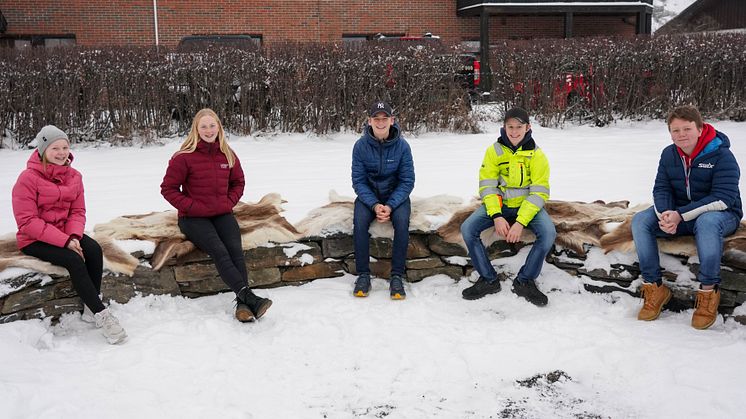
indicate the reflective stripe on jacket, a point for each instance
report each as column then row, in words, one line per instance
column 517, row 179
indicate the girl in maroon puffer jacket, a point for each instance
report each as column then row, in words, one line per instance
column 49, row 208
column 204, row 181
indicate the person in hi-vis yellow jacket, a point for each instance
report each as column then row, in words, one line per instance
column 514, row 186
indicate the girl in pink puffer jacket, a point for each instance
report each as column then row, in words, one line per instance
column 49, row 208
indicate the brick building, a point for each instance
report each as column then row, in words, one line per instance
column 166, row 22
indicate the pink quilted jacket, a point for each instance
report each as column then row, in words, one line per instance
column 48, row 205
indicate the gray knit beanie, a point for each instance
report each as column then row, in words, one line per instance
column 48, row 135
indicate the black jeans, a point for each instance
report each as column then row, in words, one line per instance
column 85, row 275
column 219, row 237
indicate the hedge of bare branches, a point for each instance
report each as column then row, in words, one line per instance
column 600, row 80
column 119, row 92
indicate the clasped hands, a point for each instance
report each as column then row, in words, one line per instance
column 512, row 233
column 383, row 212
column 669, row 221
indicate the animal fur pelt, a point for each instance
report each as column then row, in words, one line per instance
column 336, row 216
column 577, row 223
column 620, row 239
column 259, row 223
column 11, row 257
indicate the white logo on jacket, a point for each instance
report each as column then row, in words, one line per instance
column 706, row 165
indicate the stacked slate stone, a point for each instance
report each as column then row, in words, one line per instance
column 35, row 295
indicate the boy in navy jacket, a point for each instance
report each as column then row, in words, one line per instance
column 383, row 178
column 695, row 193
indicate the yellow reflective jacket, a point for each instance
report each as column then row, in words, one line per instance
column 516, row 179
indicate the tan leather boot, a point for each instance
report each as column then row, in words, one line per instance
column 706, row 308
column 655, row 297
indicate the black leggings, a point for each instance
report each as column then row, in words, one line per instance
column 85, row 275
column 219, row 237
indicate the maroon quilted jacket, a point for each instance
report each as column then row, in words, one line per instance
column 200, row 184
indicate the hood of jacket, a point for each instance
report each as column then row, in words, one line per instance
column 527, row 142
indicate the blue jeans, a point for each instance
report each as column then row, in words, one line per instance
column 361, row 220
column 708, row 230
column 541, row 225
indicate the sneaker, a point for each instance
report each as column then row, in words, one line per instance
column 396, row 288
column 110, row 327
column 654, row 298
column 528, row 290
column 706, row 308
column 482, row 287
column 362, row 286
column 257, row 305
column 87, row 315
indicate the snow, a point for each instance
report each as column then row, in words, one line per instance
column 665, row 10
column 319, row 353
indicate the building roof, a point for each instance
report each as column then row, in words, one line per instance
column 706, row 15
column 475, row 7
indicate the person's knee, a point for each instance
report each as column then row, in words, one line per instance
column 643, row 220
column 550, row 234
column 72, row 262
column 468, row 233
column 400, row 222
column 92, row 249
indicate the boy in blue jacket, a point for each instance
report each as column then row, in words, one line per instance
column 695, row 193
column 383, row 178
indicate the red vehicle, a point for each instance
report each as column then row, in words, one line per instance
column 567, row 90
column 468, row 75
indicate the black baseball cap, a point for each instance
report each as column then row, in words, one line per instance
column 517, row 113
column 378, row 107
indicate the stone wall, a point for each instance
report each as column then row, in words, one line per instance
column 34, row 295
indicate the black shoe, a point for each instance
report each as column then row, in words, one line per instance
column 396, row 288
column 528, row 290
column 362, row 285
column 481, row 288
column 256, row 304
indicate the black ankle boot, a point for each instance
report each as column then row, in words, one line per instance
column 256, row 304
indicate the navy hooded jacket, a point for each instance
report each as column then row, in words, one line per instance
column 382, row 172
column 711, row 183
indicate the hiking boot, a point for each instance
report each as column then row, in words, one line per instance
column 706, row 308
column 396, row 288
column 362, row 285
column 243, row 312
column 87, row 315
column 528, row 290
column 110, row 327
column 482, row 287
column 256, row 304
column 654, row 298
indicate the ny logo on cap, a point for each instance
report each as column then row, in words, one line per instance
column 381, row 105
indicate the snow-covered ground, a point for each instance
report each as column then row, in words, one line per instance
column 320, row 353
column 665, row 10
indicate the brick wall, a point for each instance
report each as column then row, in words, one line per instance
column 97, row 23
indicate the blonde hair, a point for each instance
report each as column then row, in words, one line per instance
column 190, row 144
